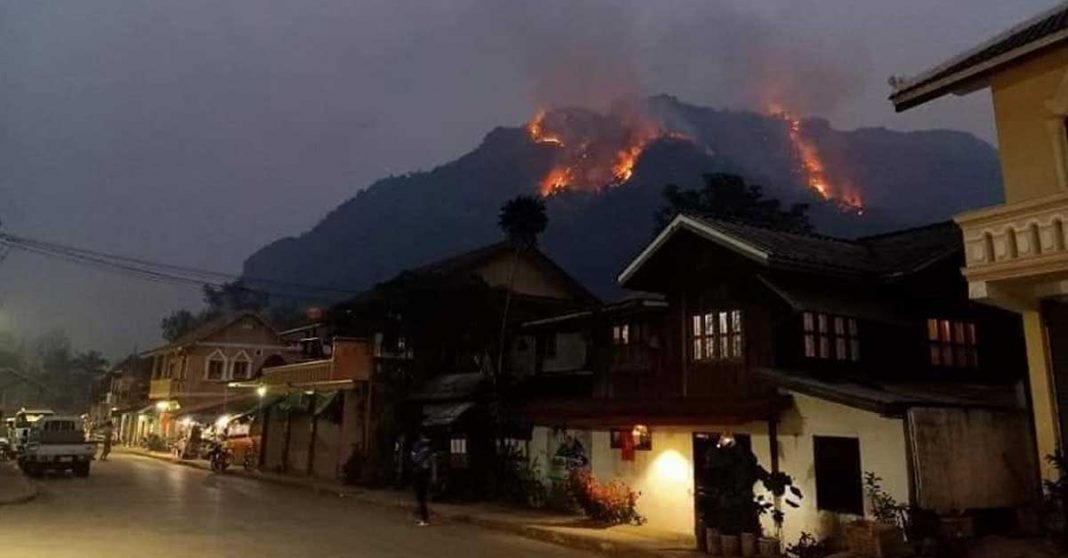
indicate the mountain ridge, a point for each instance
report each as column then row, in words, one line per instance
column 905, row 178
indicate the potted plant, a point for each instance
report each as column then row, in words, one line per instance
column 728, row 506
column 881, row 536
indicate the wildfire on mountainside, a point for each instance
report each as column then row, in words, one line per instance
column 595, row 152
column 812, row 165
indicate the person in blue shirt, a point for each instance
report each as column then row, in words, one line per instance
column 421, row 462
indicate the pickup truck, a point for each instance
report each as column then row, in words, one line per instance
column 20, row 424
column 57, row 443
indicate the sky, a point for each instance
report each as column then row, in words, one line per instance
column 195, row 132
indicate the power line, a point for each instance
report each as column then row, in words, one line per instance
column 151, row 270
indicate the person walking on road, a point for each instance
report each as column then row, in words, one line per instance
column 421, row 463
column 107, row 432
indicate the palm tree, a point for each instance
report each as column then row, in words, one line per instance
column 522, row 219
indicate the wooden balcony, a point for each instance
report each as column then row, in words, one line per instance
column 166, row 388
column 1016, row 254
column 351, row 361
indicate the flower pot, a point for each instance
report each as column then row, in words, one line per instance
column 748, row 543
column 700, row 535
column 875, row 540
column 768, row 547
column 713, row 544
column 731, row 545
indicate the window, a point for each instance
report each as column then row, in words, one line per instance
column 550, row 345
column 458, row 452
column 952, row 343
column 830, row 337
column 216, row 368
column 838, row 475
column 240, row 371
column 716, row 335
column 621, row 334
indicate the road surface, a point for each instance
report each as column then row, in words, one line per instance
column 136, row 506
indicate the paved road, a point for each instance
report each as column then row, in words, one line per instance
column 134, row 506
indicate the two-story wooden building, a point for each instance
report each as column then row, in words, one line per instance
column 420, row 350
column 127, row 397
column 191, row 376
column 1017, row 252
column 828, row 357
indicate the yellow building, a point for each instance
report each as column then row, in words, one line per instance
column 1017, row 252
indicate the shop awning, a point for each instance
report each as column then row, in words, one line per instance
column 210, row 412
column 324, row 400
column 444, row 414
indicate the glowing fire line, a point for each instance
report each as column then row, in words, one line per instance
column 583, row 165
column 812, row 165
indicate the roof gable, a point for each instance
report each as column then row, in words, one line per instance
column 881, row 256
column 210, row 328
column 482, row 262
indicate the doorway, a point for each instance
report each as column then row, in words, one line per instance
column 720, row 479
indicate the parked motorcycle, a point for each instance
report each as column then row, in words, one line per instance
column 218, row 457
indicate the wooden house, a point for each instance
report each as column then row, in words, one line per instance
column 827, row 357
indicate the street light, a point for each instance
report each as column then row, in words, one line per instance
column 261, row 391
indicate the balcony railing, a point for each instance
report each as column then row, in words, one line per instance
column 351, row 360
column 1019, row 240
column 165, row 388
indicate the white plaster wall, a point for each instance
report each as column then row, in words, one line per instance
column 665, row 474
column 882, row 451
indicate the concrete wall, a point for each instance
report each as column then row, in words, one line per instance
column 1031, row 136
column 972, row 458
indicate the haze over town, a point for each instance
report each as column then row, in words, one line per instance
column 196, row 132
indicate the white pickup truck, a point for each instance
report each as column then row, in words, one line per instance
column 56, row 442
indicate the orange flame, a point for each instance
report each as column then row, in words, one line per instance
column 537, row 131
column 812, row 165
column 592, row 162
column 558, row 179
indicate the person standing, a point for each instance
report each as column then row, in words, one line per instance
column 108, row 434
column 421, row 463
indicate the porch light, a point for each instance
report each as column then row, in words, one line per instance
column 261, row 391
column 162, row 406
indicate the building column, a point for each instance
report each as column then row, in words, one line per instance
column 1043, row 392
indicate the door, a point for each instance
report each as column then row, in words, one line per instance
column 709, row 479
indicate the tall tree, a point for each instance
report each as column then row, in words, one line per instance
column 224, row 299
column 89, row 362
column 729, row 196
column 522, row 219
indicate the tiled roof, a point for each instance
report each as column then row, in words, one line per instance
column 207, row 328
column 1041, row 31
column 450, row 387
column 882, row 256
column 469, row 262
column 893, row 398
